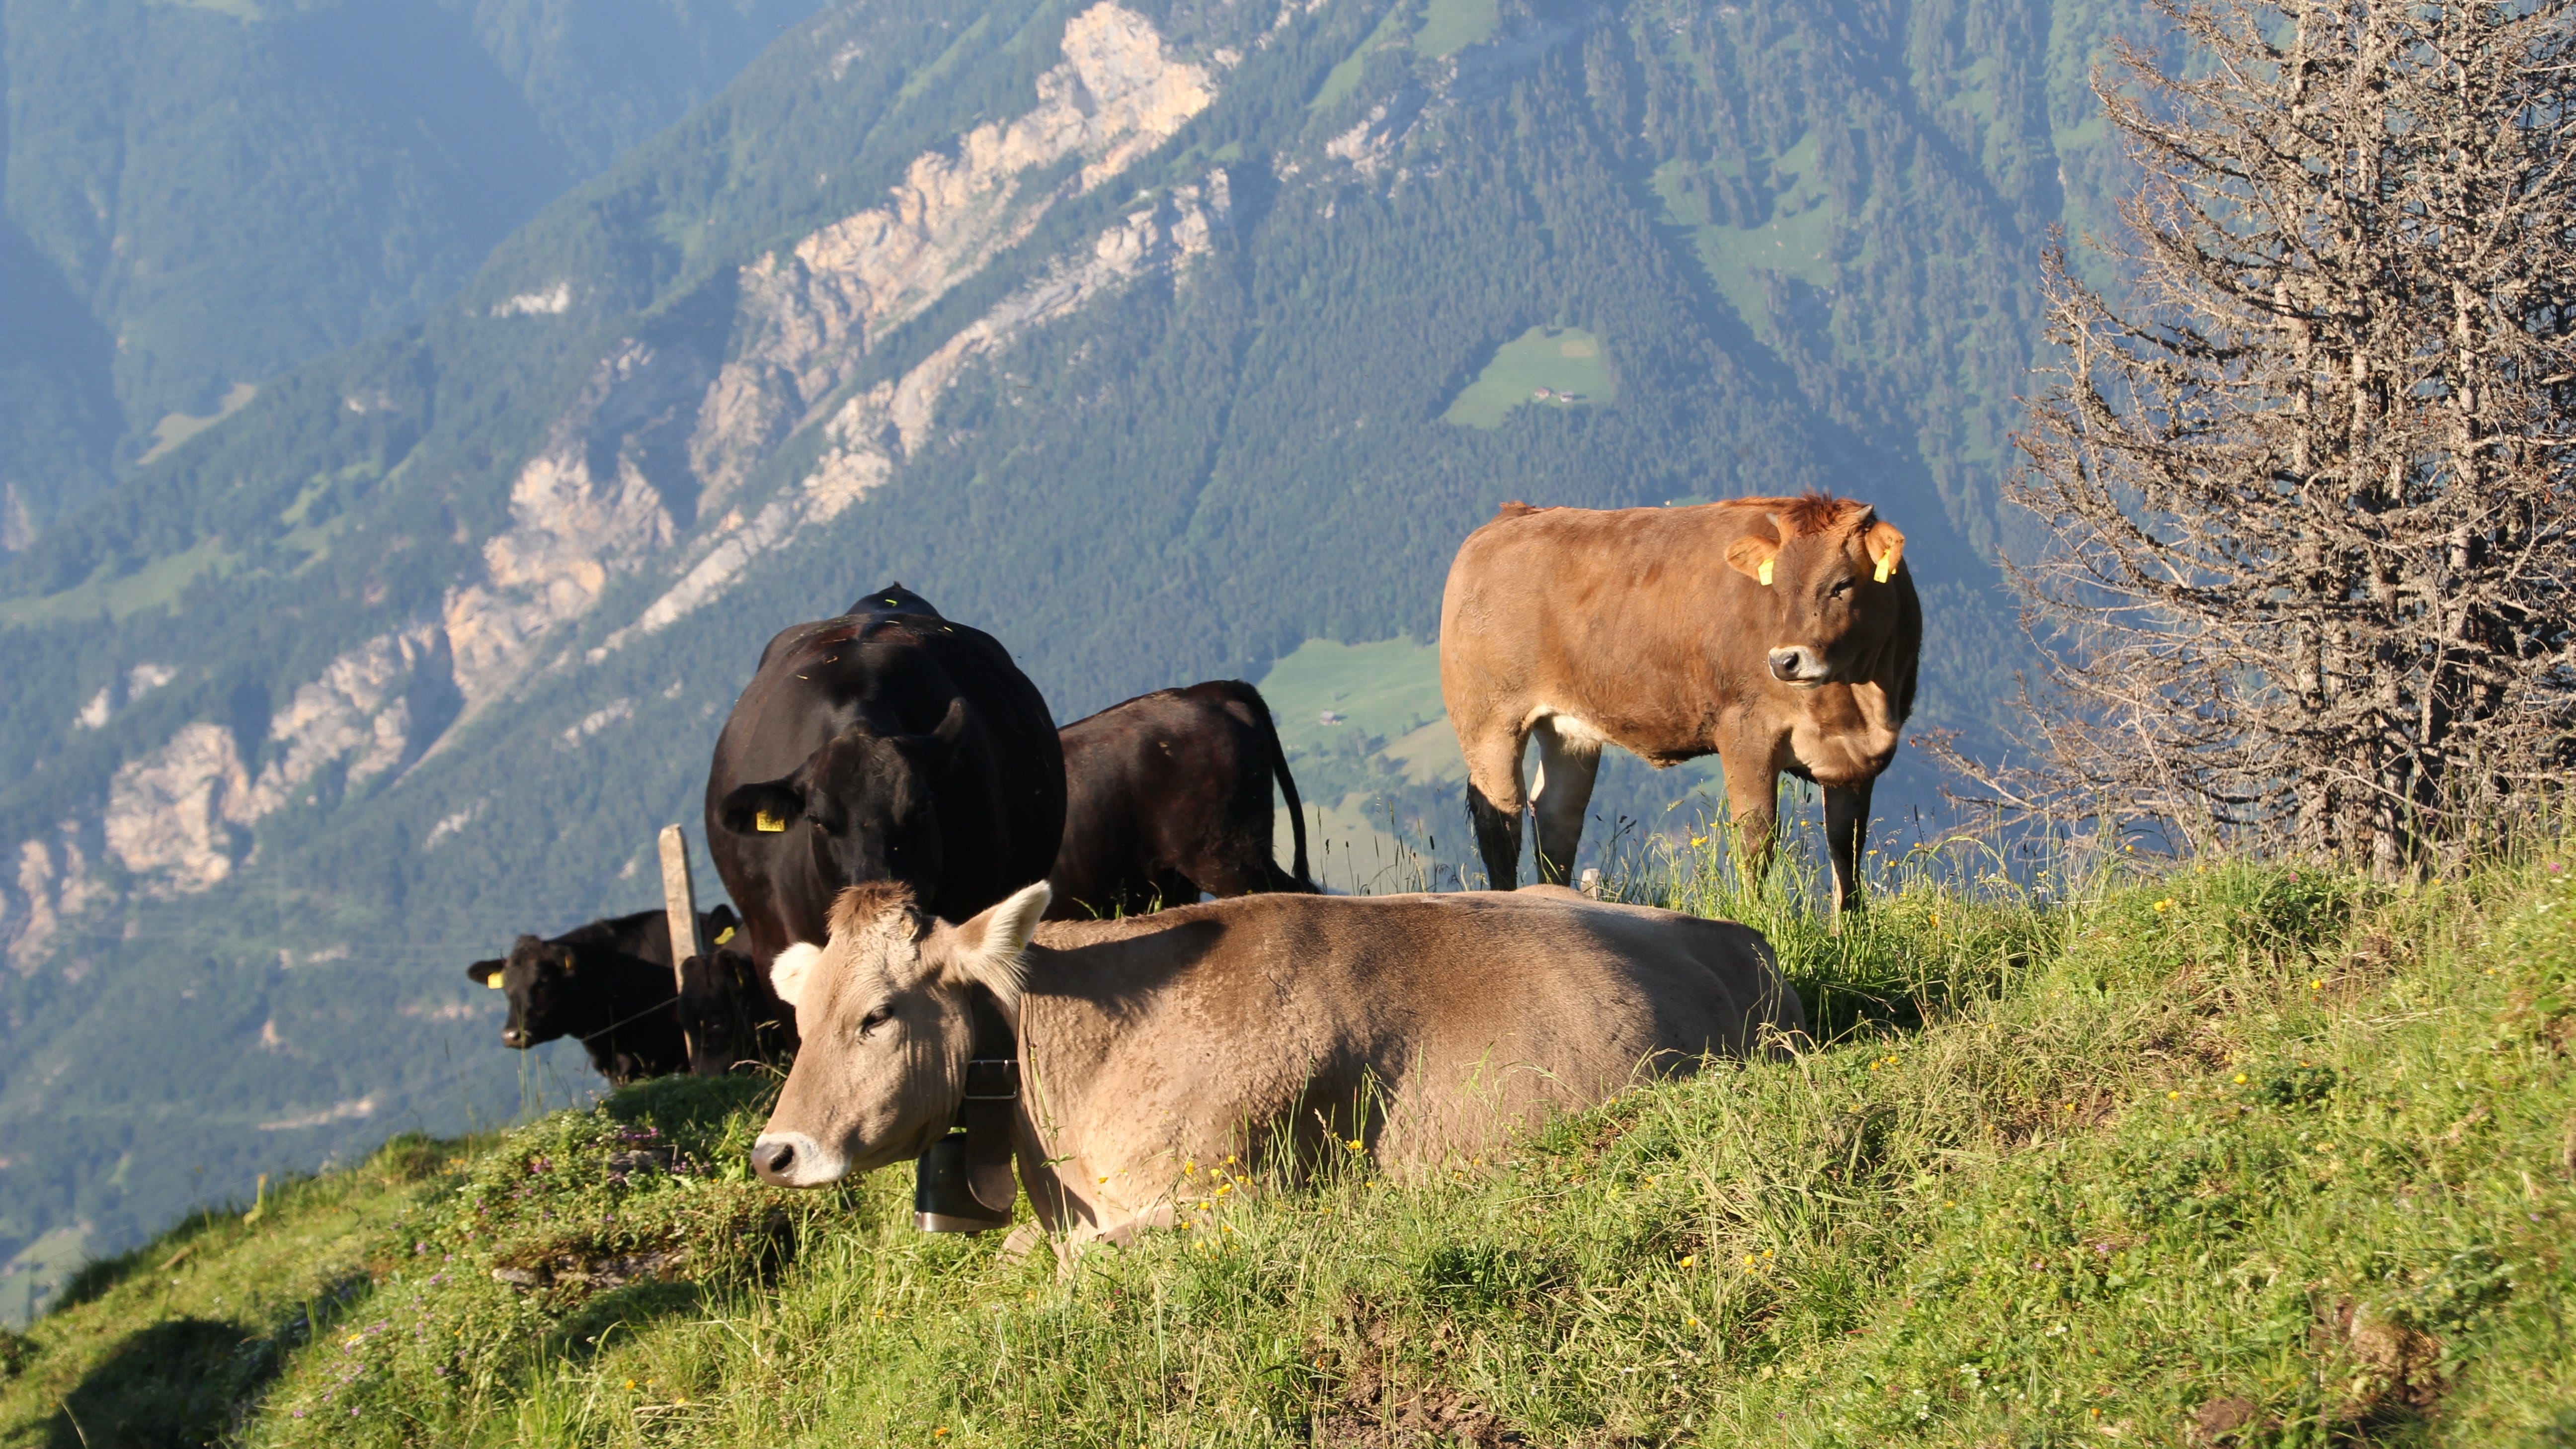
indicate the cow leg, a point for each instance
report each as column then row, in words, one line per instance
column 1566, row 770
column 1753, row 807
column 1846, row 825
column 1495, row 801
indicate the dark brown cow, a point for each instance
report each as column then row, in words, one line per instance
column 1168, row 795
column 1775, row 633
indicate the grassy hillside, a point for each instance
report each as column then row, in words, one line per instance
column 465, row 603
column 2219, row 1154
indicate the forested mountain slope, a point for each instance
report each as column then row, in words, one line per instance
column 197, row 195
column 1157, row 338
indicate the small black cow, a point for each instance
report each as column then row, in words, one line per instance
column 1168, row 795
column 731, row 1014
column 608, row 984
column 889, row 744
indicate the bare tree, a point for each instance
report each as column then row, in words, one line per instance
column 2303, row 482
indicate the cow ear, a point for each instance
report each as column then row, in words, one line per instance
column 792, row 971
column 989, row 946
column 1886, row 549
column 487, row 973
column 1753, row 557
column 763, row 809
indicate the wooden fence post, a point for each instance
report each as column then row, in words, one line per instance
column 680, row 903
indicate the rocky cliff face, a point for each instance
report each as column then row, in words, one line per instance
column 809, row 313
column 643, row 470
column 178, row 819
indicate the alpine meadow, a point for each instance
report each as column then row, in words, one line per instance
column 417, row 415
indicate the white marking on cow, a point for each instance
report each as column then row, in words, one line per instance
column 813, row 1164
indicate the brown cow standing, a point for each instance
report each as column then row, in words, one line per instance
column 1775, row 633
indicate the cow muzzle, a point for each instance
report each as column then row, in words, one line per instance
column 514, row 1038
column 1799, row 665
column 792, row 1159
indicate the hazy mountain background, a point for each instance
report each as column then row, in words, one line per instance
column 415, row 415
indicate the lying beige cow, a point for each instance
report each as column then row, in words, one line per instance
column 1265, row 1026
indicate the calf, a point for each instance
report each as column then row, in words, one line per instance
column 1779, row 634
column 1277, row 1028
column 609, row 984
column 1168, row 795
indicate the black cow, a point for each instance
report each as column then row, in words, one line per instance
column 731, row 1014
column 608, row 984
column 881, row 746
column 1168, row 795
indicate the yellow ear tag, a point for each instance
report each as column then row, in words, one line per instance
column 724, row 935
column 1762, row 573
column 1885, row 567
column 767, row 824
column 493, row 980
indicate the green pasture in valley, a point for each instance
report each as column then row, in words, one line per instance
column 1450, row 26
column 1389, row 688
column 1563, row 362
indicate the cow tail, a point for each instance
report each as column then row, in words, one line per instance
column 1287, row 782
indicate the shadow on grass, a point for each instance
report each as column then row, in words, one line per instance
column 180, row 1382
column 578, row 1336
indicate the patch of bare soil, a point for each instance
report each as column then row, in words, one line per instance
column 1375, row 1412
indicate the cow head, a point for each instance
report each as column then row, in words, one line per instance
column 1831, row 577
column 866, row 804
column 885, row 1013
column 546, row 995
column 730, row 1014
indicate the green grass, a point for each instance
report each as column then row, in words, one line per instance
column 156, row 585
column 1558, row 359
column 177, row 428
column 2226, row 1145
column 1450, row 26
column 1389, row 688
column 1344, row 77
